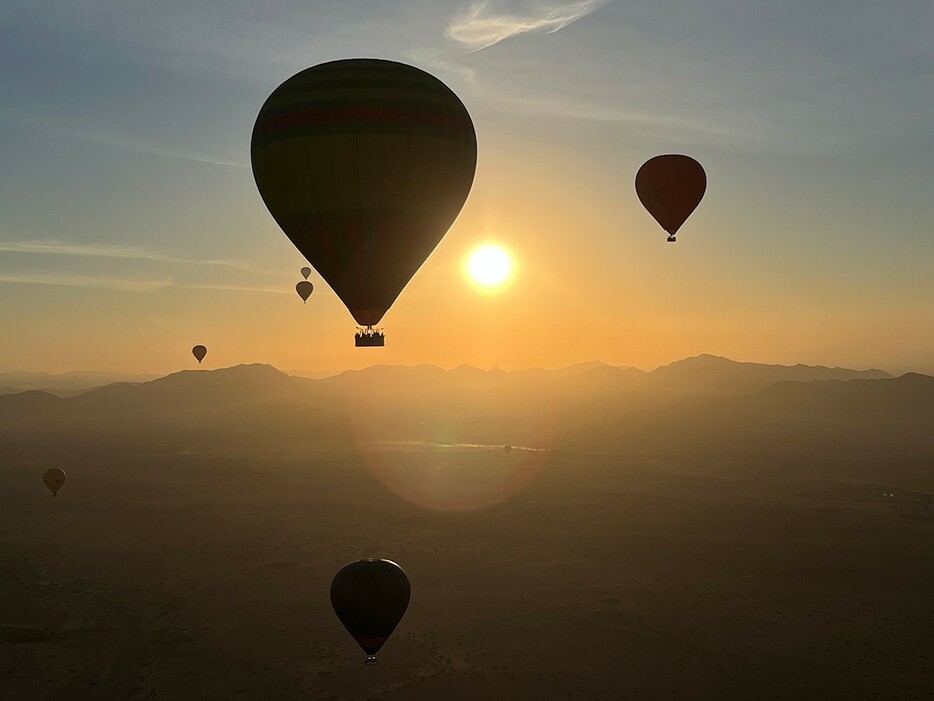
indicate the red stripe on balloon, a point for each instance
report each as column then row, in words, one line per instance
column 359, row 114
column 371, row 642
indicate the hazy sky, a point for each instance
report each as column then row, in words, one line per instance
column 131, row 229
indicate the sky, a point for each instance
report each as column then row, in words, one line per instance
column 131, row 228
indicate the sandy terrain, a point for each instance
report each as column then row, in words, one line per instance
column 205, row 576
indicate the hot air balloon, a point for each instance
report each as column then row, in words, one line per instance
column 370, row 598
column 306, row 271
column 364, row 164
column 507, row 449
column 670, row 187
column 199, row 352
column 54, row 478
column 304, row 289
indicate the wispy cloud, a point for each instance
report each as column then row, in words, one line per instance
column 46, row 277
column 124, row 143
column 439, row 61
column 744, row 128
column 240, row 288
column 739, row 128
column 153, row 150
column 124, row 252
column 101, row 250
column 94, row 281
column 481, row 27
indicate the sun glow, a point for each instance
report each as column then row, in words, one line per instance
column 489, row 266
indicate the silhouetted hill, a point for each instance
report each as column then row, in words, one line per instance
column 65, row 384
column 244, row 408
column 579, row 368
column 871, row 430
column 909, row 398
column 399, row 380
column 29, row 402
column 466, row 382
column 600, row 379
column 175, row 396
column 700, row 404
column 313, row 374
column 570, row 371
column 713, row 374
column 705, row 374
column 197, row 389
column 699, row 375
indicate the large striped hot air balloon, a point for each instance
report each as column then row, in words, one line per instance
column 364, row 164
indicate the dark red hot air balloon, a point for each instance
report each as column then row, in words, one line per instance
column 670, row 187
column 364, row 164
column 54, row 478
column 370, row 598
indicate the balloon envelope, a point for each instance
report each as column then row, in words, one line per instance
column 364, row 164
column 370, row 597
column 306, row 271
column 304, row 289
column 54, row 478
column 670, row 187
column 199, row 352
column 508, row 449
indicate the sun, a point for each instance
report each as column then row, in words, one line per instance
column 489, row 266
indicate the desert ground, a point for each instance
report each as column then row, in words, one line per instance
column 166, row 573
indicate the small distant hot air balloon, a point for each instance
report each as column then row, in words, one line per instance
column 54, row 478
column 507, row 449
column 670, row 187
column 199, row 352
column 306, row 271
column 370, row 598
column 304, row 289
column 364, row 164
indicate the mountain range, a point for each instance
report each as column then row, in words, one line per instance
column 704, row 413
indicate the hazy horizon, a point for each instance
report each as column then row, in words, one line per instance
column 207, row 366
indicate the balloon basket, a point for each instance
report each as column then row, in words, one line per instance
column 671, row 239
column 370, row 339
column 371, row 661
